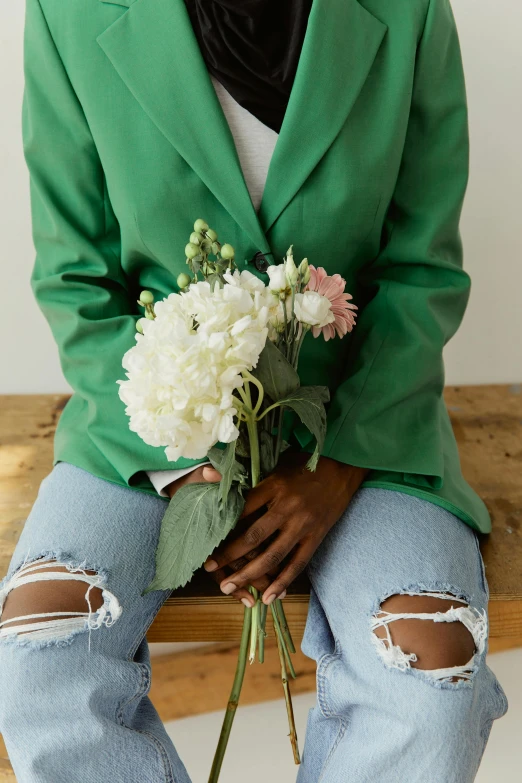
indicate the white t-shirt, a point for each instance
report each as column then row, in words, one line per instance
column 255, row 144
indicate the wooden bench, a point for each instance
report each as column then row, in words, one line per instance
column 487, row 421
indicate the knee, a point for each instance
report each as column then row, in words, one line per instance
column 46, row 601
column 436, row 632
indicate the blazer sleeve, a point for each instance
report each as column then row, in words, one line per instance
column 77, row 278
column 387, row 413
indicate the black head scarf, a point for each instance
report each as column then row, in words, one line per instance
column 252, row 47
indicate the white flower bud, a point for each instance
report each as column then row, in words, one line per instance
column 291, row 271
column 276, row 319
column 304, row 271
column 277, row 278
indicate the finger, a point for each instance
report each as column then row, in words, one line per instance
column 242, row 594
column 203, row 473
column 296, row 565
column 260, row 584
column 210, row 474
column 259, row 496
column 260, row 566
column 248, row 540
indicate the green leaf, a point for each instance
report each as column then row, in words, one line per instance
column 275, row 372
column 224, row 460
column 284, row 446
column 194, row 524
column 214, row 279
column 266, row 452
column 243, row 444
column 308, row 403
column 195, row 264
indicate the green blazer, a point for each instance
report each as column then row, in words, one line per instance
column 126, row 144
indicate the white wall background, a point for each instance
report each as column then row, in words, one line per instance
column 487, row 348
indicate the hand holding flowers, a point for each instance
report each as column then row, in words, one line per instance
column 293, row 525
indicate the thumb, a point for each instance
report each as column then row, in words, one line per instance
column 210, row 474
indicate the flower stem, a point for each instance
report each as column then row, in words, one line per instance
column 251, row 617
column 262, row 632
column 254, row 629
column 285, row 321
column 298, row 344
column 255, row 460
column 272, row 407
column 233, row 700
column 284, row 625
column 281, row 639
column 261, row 392
column 292, row 328
column 243, row 396
column 288, row 698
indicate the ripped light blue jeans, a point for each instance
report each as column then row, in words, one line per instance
column 73, row 691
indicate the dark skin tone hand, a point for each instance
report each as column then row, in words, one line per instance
column 284, row 520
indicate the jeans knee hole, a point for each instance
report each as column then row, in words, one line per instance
column 98, row 605
column 429, row 608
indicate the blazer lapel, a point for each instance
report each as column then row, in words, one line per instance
column 340, row 45
column 154, row 49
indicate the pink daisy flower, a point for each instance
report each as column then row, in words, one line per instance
column 333, row 288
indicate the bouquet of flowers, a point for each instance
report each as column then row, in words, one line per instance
column 214, row 369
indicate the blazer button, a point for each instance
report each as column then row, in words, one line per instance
column 260, row 262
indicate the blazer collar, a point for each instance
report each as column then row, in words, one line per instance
column 154, row 49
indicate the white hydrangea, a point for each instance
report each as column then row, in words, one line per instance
column 264, row 296
column 184, row 368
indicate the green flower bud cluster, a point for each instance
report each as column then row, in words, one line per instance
column 203, row 242
column 146, row 300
